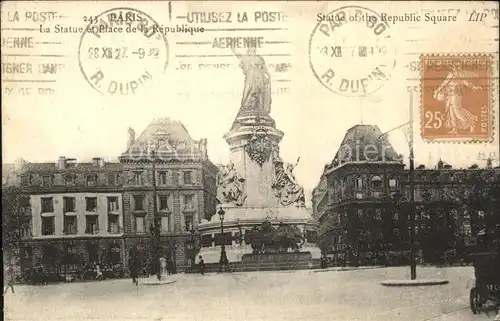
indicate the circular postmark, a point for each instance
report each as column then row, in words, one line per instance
column 121, row 50
column 350, row 51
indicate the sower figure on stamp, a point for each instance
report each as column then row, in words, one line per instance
column 451, row 91
column 257, row 90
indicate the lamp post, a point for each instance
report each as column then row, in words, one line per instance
column 408, row 127
column 223, row 262
column 156, row 222
column 413, row 264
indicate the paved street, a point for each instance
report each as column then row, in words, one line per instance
column 299, row 295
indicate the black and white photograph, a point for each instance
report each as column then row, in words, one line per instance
column 250, row 160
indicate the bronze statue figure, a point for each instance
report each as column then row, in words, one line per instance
column 257, row 89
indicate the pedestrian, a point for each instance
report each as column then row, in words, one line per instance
column 98, row 273
column 9, row 276
column 202, row 265
column 323, row 261
column 170, row 266
column 134, row 270
column 40, row 274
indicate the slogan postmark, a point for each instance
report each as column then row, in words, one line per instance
column 350, row 52
column 121, row 50
column 456, row 97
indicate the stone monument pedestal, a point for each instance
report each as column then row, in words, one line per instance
column 238, row 220
column 257, row 186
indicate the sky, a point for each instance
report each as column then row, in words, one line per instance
column 78, row 121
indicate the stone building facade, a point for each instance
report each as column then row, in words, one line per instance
column 185, row 190
column 80, row 214
column 361, row 204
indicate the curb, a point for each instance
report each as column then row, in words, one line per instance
column 156, row 282
column 414, row 282
column 341, row 269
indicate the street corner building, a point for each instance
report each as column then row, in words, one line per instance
column 75, row 215
column 363, row 205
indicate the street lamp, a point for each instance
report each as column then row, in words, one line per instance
column 408, row 128
column 156, row 221
column 223, row 262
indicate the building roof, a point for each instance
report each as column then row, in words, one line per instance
column 365, row 143
column 77, row 167
column 172, row 132
column 174, row 129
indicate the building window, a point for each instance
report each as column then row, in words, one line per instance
column 395, row 216
column 46, row 180
column 91, row 224
column 114, row 254
column 113, row 204
column 91, row 180
column 226, row 238
column 48, row 227
column 393, row 183
column 189, row 202
column 138, row 202
column 187, row 178
column 206, row 240
column 25, row 180
column 311, row 236
column 165, row 224
column 69, row 204
column 49, row 257
column 140, row 224
column 376, row 186
column 69, row 180
column 93, row 253
column 26, row 228
column 91, row 204
column 359, row 184
column 396, row 234
column 162, row 178
column 70, row 226
column 161, row 142
column 378, row 214
column 47, row 205
column 163, row 202
column 360, row 213
column 70, row 257
column 137, row 178
column 111, row 179
column 188, row 222
column 113, row 226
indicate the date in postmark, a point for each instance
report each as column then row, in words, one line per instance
column 350, row 51
column 121, row 63
column 456, row 97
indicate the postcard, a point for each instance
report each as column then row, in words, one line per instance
column 250, row 160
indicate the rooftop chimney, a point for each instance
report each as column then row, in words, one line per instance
column 61, row 163
column 98, row 162
column 19, row 164
column 131, row 137
column 203, row 147
column 440, row 164
column 489, row 163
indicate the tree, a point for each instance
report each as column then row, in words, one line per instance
column 11, row 210
column 484, row 201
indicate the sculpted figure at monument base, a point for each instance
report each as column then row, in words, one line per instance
column 230, row 186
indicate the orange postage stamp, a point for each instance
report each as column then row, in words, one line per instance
column 456, row 97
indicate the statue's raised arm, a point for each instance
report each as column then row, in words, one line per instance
column 233, row 49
